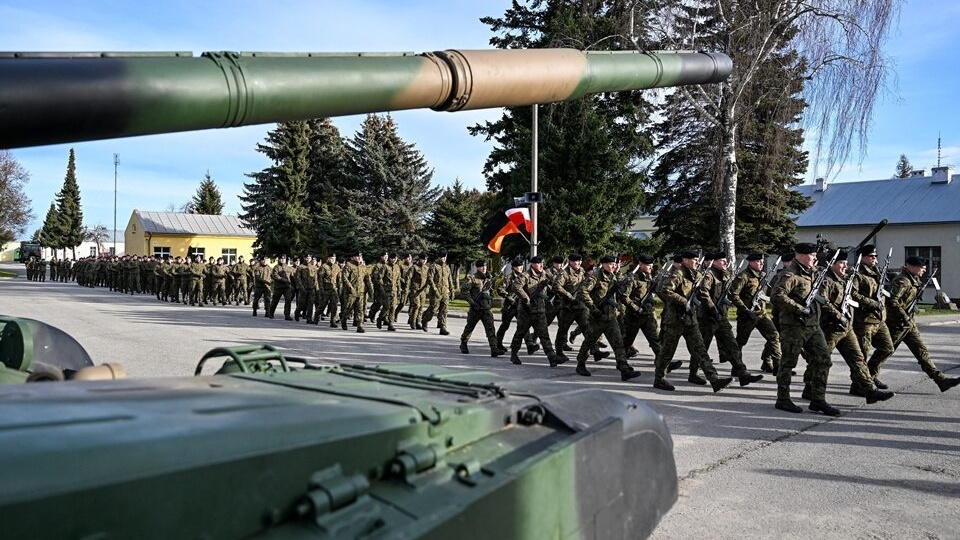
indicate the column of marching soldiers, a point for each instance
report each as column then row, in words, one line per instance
column 814, row 309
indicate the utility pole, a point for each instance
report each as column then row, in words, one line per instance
column 116, row 164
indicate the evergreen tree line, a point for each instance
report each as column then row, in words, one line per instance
column 63, row 225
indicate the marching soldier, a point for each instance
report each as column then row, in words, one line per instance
column 639, row 314
column 219, row 279
column 262, row 285
column 742, row 292
column 281, row 277
column 509, row 310
column 390, row 285
column 904, row 290
column 599, row 296
column 440, row 291
column 416, row 287
column 376, row 279
column 307, row 279
column 530, row 289
column 476, row 289
column 800, row 331
column 713, row 321
column 677, row 322
column 195, row 275
column 869, row 319
column 835, row 321
column 567, row 288
column 353, row 290
column 328, row 277
column 239, row 270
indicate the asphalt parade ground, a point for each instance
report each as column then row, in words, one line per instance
column 747, row 471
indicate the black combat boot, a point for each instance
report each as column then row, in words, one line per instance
column 857, row 390
column 582, row 369
column 766, row 367
column 444, row 331
column 628, row 373
column 632, row 351
column 874, row 396
column 533, row 348
column 880, row 384
column 599, row 355
column 787, row 405
column 496, row 352
column 463, row 348
column 822, row 406
column 556, row 359
column 676, row 364
column 696, row 379
column 944, row 384
column 254, row 313
column 662, row 384
column 746, row 378
column 806, row 392
column 514, row 359
column 719, row 384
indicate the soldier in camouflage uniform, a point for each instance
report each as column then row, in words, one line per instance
column 239, row 271
column 391, row 277
column 282, row 288
column 554, row 302
column 530, row 289
column 476, row 288
column 416, row 287
column 219, row 280
column 376, row 279
column 639, row 314
column 440, row 292
column 800, row 331
column 328, row 280
column 196, row 273
column 307, row 280
column 566, row 288
column 835, row 321
column 677, row 322
column 600, row 296
column 262, row 285
column 406, row 265
column 713, row 321
column 742, row 292
column 869, row 317
column 353, row 291
column 904, row 289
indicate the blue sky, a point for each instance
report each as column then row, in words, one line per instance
column 161, row 170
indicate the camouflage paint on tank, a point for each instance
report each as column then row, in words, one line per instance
column 48, row 98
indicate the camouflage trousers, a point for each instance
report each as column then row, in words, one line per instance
column 672, row 329
column 874, row 336
column 484, row 316
column 608, row 327
column 810, row 340
column 771, row 351
column 306, row 302
column 352, row 306
column 219, row 292
column 845, row 342
column 726, row 344
column 241, row 290
column 911, row 336
column 438, row 306
column 415, row 313
column 327, row 300
column 281, row 292
column 634, row 323
column 538, row 322
column 264, row 292
column 195, row 290
column 565, row 319
column 507, row 314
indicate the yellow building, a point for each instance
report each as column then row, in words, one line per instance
column 172, row 234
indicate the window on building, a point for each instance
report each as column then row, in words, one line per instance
column 930, row 253
column 194, row 251
column 229, row 255
column 93, row 251
column 161, row 251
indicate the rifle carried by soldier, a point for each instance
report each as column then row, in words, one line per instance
column 761, row 294
column 724, row 301
column 652, row 289
column 814, row 295
column 615, row 289
column 692, row 301
column 912, row 310
column 848, row 300
column 882, row 284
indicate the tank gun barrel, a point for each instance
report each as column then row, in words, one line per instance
column 50, row 98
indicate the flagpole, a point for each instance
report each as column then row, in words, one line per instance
column 533, row 181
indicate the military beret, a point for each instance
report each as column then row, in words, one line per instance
column 423, row 254
column 441, row 254
column 392, row 256
column 480, row 263
column 678, row 258
column 805, row 248
column 689, row 254
column 786, row 257
column 575, row 257
column 645, row 259
column 868, row 249
column 842, row 256
column 717, row 255
column 517, row 262
column 755, row 257
column 536, row 259
column 557, row 260
column 916, row 261
column 607, row 259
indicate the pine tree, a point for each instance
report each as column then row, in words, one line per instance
column 207, row 199
column 70, row 232
column 274, row 204
column 387, row 187
column 50, row 231
column 456, row 222
column 904, row 168
column 589, row 149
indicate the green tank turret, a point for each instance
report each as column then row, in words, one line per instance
column 48, row 98
column 274, row 447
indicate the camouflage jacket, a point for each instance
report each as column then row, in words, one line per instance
column 476, row 289
column 744, row 288
column 903, row 290
column 791, row 294
column 280, row 275
column 353, row 280
column 596, row 297
column 865, row 294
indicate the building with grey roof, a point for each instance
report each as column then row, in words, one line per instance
column 922, row 211
column 175, row 234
